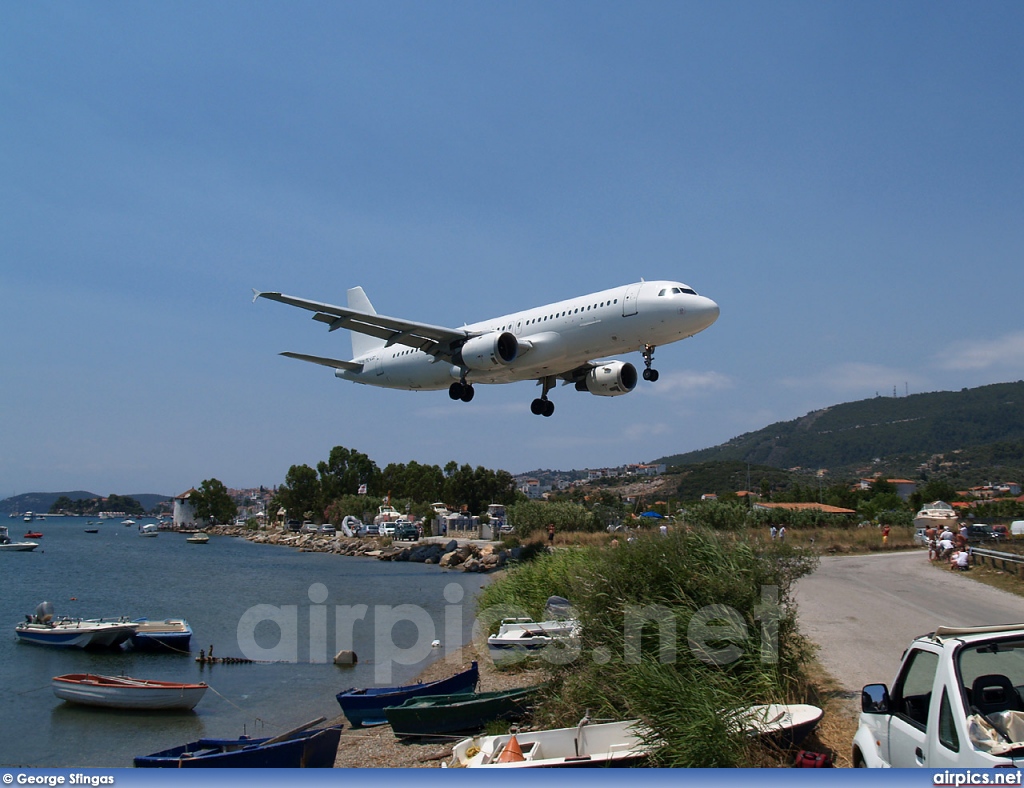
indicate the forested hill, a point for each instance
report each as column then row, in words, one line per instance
column 40, row 502
column 985, row 422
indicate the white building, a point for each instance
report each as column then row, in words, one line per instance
column 184, row 513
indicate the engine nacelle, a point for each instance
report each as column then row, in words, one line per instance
column 611, row 379
column 496, row 349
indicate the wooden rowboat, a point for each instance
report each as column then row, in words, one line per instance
column 123, row 692
column 366, row 706
column 432, row 715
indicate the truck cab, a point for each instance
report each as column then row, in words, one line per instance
column 957, row 702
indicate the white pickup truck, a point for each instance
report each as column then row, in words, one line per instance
column 957, row 702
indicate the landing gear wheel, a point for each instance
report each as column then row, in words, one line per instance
column 549, row 408
column 467, row 393
column 649, row 374
column 455, row 390
column 537, row 407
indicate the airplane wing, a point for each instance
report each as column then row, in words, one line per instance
column 436, row 341
column 326, row 362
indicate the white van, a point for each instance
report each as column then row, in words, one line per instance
column 1017, row 528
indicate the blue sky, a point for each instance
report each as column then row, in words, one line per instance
column 846, row 180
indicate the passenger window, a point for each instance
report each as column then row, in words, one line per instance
column 947, row 727
column 913, row 691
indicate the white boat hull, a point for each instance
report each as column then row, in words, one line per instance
column 19, row 547
column 75, row 634
column 119, row 692
column 604, row 744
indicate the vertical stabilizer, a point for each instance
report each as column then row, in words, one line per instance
column 361, row 343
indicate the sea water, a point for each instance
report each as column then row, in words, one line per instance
column 244, row 600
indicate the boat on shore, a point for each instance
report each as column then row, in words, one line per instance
column 783, row 724
column 171, row 634
column 520, row 638
column 123, row 692
column 436, row 715
column 298, row 748
column 587, row 744
column 366, row 706
column 6, row 545
column 937, row 514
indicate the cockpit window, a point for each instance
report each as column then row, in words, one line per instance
column 677, row 291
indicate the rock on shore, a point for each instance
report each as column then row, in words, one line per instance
column 464, row 556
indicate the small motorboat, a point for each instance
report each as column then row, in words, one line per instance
column 198, row 539
column 34, row 535
column 149, row 529
column 366, row 706
column 14, row 547
column 783, row 724
column 300, row 747
column 74, row 633
column 433, row 715
column 122, row 692
column 92, row 530
column 171, row 634
column 602, row 744
column 519, row 638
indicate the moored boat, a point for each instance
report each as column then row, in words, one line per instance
column 602, row 744
column 149, row 529
column 171, row 634
column 432, row 715
column 366, row 706
column 74, row 633
column 33, row 535
column 6, row 545
column 122, row 692
column 197, row 539
column 301, row 747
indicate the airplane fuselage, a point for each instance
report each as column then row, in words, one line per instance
column 553, row 338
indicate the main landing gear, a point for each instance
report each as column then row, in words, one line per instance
column 649, row 374
column 542, row 406
column 461, row 390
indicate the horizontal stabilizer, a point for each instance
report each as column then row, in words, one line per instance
column 327, row 362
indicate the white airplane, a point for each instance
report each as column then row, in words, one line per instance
column 547, row 343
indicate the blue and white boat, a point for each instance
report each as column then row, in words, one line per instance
column 316, row 749
column 42, row 629
column 171, row 634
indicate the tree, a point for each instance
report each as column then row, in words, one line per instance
column 300, row 492
column 343, row 472
column 212, row 502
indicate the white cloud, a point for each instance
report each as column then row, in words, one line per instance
column 682, row 384
column 1005, row 351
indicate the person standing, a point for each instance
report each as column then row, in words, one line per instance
column 774, row 532
column 885, row 534
column 551, row 533
column 782, row 533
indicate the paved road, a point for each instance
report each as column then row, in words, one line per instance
column 864, row 610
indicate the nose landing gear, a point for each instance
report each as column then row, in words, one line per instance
column 649, row 374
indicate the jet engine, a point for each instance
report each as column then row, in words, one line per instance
column 496, row 349
column 611, row 379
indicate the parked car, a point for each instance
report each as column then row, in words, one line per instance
column 387, row 529
column 954, row 691
column 309, row 527
column 370, row 530
column 980, row 532
column 293, row 525
column 327, row 530
column 1001, row 531
column 920, row 538
column 406, row 531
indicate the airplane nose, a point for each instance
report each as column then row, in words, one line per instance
column 710, row 311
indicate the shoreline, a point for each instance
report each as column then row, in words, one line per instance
column 378, row 747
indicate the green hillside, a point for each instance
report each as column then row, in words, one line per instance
column 981, row 429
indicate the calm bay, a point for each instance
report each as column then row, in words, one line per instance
column 215, row 586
